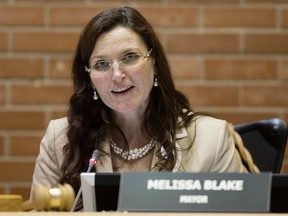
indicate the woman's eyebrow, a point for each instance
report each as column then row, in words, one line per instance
column 123, row 52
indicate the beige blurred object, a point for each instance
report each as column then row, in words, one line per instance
column 11, row 203
column 46, row 198
column 27, row 205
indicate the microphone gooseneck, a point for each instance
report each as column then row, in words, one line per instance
column 92, row 162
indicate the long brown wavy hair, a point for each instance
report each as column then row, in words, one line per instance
column 89, row 120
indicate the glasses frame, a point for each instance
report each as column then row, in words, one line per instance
column 147, row 55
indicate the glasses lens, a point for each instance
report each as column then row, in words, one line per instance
column 130, row 59
column 102, row 65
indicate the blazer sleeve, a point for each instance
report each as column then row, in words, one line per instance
column 48, row 163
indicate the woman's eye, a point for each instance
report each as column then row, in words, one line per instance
column 130, row 58
column 102, row 65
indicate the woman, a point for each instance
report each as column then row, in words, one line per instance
column 125, row 105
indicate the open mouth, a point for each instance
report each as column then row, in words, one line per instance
column 122, row 90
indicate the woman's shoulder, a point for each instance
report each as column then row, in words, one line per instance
column 57, row 127
column 212, row 146
column 61, row 122
column 206, row 122
column 201, row 119
column 201, row 124
column 207, row 129
column 209, row 121
column 204, row 128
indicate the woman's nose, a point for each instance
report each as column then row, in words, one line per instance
column 118, row 74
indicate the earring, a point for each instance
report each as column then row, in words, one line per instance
column 95, row 96
column 155, row 82
column 87, row 69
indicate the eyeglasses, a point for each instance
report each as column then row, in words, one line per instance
column 129, row 61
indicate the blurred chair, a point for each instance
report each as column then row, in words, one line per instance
column 266, row 141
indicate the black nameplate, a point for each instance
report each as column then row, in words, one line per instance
column 200, row 192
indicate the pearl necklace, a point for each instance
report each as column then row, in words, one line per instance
column 134, row 153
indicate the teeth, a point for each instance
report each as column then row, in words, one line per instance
column 121, row 90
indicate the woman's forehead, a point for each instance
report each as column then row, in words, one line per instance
column 118, row 38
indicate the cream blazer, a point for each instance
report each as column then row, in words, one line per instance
column 213, row 150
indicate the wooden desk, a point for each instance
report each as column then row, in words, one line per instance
column 130, row 214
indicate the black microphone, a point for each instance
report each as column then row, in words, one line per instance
column 92, row 162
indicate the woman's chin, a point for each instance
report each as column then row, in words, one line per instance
column 128, row 108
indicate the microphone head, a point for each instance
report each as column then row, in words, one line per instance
column 96, row 154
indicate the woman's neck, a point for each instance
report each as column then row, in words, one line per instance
column 132, row 127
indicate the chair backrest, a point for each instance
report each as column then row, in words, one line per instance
column 266, row 141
